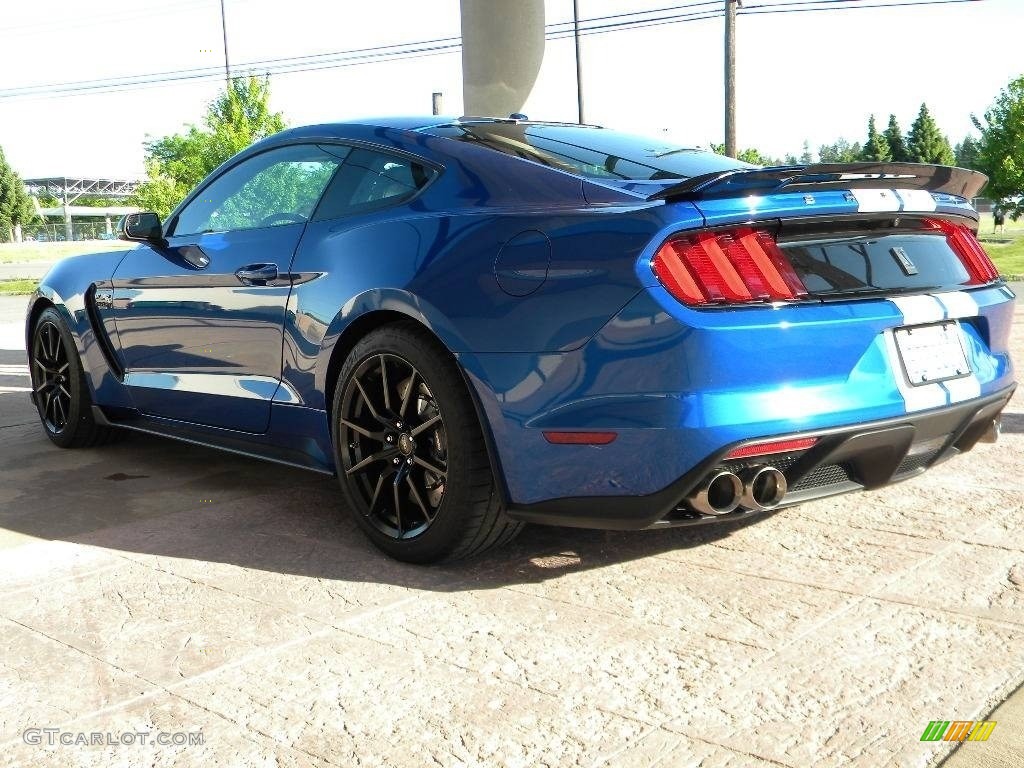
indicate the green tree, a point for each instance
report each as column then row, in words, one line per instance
column 840, row 152
column 16, row 207
column 926, row 143
column 750, row 155
column 967, row 153
column 805, row 157
column 1001, row 147
column 876, row 148
column 894, row 136
column 175, row 164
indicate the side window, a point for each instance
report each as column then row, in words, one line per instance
column 280, row 186
column 368, row 180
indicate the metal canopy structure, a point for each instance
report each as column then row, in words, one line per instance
column 68, row 189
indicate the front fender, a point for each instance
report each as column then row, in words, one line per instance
column 65, row 287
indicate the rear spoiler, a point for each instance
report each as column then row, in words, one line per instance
column 827, row 176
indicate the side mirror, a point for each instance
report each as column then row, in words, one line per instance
column 142, row 228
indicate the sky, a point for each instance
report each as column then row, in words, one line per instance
column 801, row 76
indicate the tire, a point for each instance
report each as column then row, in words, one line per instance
column 406, row 438
column 62, row 397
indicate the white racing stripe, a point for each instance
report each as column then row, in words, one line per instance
column 874, row 200
column 919, row 309
column 957, row 304
column 917, row 199
column 914, row 398
column 966, row 388
column 952, row 305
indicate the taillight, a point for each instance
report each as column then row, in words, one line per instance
column 967, row 248
column 733, row 267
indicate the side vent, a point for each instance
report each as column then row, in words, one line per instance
column 97, row 298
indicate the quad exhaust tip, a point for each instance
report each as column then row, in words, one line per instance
column 719, row 494
column 722, row 492
column 763, row 488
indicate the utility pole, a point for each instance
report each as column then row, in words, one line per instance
column 579, row 65
column 224, row 27
column 730, row 77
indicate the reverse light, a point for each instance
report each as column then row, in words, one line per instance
column 967, row 248
column 732, row 267
column 775, row 446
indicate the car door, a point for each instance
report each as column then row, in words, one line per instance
column 200, row 321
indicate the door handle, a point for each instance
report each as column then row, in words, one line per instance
column 257, row 274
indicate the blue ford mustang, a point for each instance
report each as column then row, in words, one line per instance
column 480, row 322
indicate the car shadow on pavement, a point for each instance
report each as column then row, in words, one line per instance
column 1013, row 422
column 158, row 497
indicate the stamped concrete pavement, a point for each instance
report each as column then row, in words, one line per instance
column 154, row 587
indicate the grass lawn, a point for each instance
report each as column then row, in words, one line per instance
column 17, row 287
column 1005, row 248
column 18, row 253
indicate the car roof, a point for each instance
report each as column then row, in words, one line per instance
column 422, row 123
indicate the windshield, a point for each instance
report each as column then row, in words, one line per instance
column 596, row 153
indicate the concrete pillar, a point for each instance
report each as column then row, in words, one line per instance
column 502, row 49
column 110, row 229
column 69, row 231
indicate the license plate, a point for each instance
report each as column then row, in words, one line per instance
column 932, row 353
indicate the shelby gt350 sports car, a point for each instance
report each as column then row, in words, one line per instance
column 480, row 322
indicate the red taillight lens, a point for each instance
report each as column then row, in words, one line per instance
column 775, row 446
column 737, row 266
column 967, row 248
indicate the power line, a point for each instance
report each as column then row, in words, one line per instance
column 438, row 46
column 286, row 65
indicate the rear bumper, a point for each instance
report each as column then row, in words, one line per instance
column 863, row 456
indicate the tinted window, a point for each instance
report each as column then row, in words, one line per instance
column 596, row 153
column 369, row 180
column 281, row 186
column 864, row 264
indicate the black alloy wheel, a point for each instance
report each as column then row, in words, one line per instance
column 59, row 389
column 51, row 373
column 394, row 445
column 410, row 453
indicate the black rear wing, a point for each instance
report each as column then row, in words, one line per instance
column 827, row 176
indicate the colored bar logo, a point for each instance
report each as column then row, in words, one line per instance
column 958, row 730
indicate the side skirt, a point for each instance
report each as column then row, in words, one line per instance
column 297, row 437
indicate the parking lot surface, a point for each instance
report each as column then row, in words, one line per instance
column 154, row 587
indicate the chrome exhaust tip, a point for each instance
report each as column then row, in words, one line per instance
column 719, row 494
column 991, row 435
column 763, row 488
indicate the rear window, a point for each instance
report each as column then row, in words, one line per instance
column 596, row 153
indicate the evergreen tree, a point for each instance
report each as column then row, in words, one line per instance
column 894, row 137
column 967, row 153
column 926, row 143
column 840, row 152
column 15, row 204
column 805, row 157
column 876, row 148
